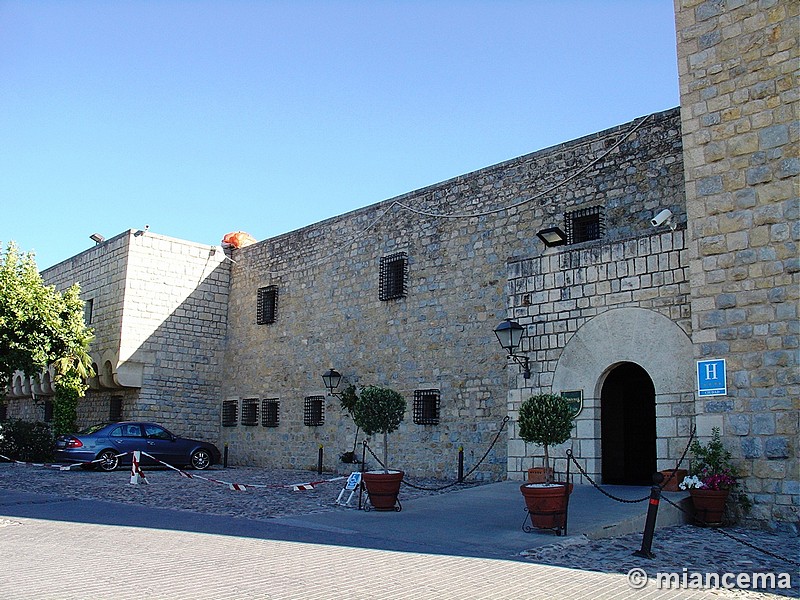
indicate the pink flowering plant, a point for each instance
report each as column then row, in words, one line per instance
column 711, row 467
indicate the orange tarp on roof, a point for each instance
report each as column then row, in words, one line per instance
column 238, row 239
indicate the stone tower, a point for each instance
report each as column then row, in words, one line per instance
column 737, row 62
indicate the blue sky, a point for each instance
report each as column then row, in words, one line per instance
column 200, row 118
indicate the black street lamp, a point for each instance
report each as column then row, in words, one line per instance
column 331, row 378
column 509, row 334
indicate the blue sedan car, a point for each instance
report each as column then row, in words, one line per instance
column 107, row 442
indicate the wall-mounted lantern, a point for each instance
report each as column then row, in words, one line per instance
column 331, row 378
column 509, row 334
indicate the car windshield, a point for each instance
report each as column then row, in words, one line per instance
column 92, row 429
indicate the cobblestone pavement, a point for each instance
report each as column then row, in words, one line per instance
column 682, row 549
column 168, row 489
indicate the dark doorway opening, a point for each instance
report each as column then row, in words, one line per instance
column 628, row 426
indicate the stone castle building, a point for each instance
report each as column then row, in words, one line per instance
column 230, row 346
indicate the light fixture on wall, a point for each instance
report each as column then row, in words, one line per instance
column 509, row 334
column 331, row 378
column 552, row 236
column 97, row 238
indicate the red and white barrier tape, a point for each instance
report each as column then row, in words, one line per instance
column 136, row 470
column 241, row 487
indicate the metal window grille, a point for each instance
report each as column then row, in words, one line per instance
column 250, row 411
column 585, row 224
column 426, row 407
column 267, row 310
column 48, row 411
column 269, row 412
column 88, row 308
column 229, row 413
column 115, row 409
column 394, row 276
column 314, row 411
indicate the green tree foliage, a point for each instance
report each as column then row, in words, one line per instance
column 379, row 410
column 25, row 441
column 40, row 326
column 545, row 420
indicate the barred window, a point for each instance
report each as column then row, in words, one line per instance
column 269, row 412
column 394, row 276
column 267, row 310
column 230, row 413
column 426, row 407
column 585, row 224
column 88, row 309
column 250, row 411
column 314, row 411
column 115, row 409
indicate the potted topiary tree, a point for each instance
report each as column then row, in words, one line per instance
column 546, row 420
column 381, row 410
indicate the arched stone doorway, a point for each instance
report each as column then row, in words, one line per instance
column 628, row 426
column 628, row 335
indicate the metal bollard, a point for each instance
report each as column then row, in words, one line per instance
column 363, row 466
column 319, row 460
column 225, row 457
column 650, row 523
column 461, row 464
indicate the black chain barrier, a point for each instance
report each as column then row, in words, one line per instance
column 571, row 457
column 680, row 508
column 598, row 488
column 728, row 535
column 663, row 484
column 449, row 485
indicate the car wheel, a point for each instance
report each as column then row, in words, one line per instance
column 108, row 460
column 201, row 459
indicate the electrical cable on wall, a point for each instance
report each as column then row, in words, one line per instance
column 435, row 215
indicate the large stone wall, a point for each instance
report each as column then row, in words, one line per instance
column 458, row 236
column 739, row 96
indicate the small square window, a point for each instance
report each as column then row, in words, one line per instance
column 269, row 412
column 394, row 276
column 229, row 413
column 585, row 225
column 250, row 411
column 115, row 409
column 426, row 407
column 267, row 310
column 314, row 411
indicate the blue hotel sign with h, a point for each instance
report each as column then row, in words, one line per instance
column 711, row 377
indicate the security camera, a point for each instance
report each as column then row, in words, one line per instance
column 663, row 217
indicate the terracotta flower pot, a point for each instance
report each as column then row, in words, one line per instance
column 547, row 503
column 709, row 505
column 671, row 483
column 383, row 488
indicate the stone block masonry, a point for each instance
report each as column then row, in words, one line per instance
column 556, row 294
column 159, row 312
column 458, row 236
column 739, row 95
